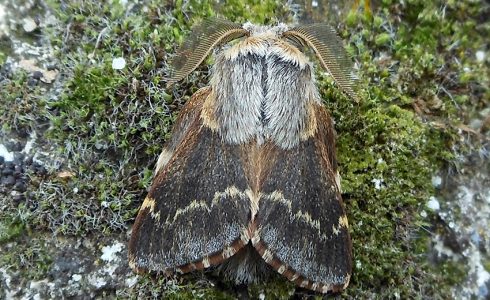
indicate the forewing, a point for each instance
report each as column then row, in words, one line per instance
column 196, row 210
column 302, row 226
column 187, row 116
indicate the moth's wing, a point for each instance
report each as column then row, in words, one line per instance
column 302, row 226
column 187, row 116
column 197, row 211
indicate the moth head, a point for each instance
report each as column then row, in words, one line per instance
column 265, row 31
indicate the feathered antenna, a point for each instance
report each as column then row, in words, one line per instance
column 205, row 36
column 328, row 47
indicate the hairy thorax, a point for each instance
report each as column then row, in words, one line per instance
column 262, row 89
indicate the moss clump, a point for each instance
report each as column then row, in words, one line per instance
column 387, row 157
column 391, row 143
column 3, row 57
column 10, row 229
column 28, row 256
column 275, row 288
column 19, row 113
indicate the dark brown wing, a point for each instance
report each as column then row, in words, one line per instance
column 301, row 222
column 197, row 209
column 187, row 116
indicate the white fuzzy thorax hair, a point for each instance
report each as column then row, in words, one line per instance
column 262, row 87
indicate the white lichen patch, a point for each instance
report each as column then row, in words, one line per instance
column 97, row 281
column 433, row 203
column 111, row 257
column 30, row 143
column 478, row 277
column 378, row 183
column 109, row 253
column 131, row 281
column 480, row 55
column 36, row 289
column 118, row 63
column 5, row 282
column 436, row 181
column 76, row 277
column 8, row 156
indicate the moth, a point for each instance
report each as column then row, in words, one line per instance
column 248, row 183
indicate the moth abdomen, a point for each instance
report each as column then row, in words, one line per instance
column 249, row 179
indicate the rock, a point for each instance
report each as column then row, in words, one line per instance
column 37, row 75
column 18, row 169
column 15, row 146
column 7, row 171
column 30, row 66
column 29, row 25
column 5, row 154
column 18, row 199
column 49, row 76
column 32, row 82
column 20, row 186
column 9, row 180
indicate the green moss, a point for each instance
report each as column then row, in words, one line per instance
column 453, row 272
column 10, row 229
column 3, row 58
column 29, row 256
column 387, row 157
column 383, row 142
column 486, row 265
column 18, row 112
column 275, row 288
column 256, row 11
column 382, row 39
